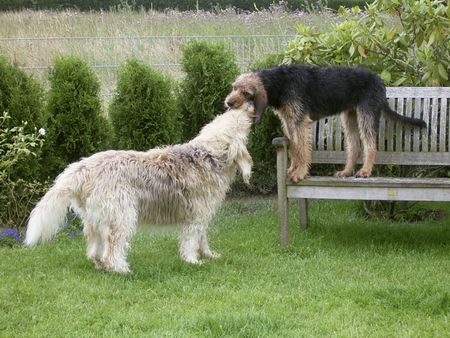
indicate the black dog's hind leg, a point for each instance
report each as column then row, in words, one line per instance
column 368, row 116
column 352, row 142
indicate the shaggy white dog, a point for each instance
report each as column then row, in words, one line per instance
column 114, row 191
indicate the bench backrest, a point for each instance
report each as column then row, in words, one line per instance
column 397, row 143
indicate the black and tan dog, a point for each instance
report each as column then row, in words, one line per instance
column 302, row 94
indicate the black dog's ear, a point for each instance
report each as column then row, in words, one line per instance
column 260, row 104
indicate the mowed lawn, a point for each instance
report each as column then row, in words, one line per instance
column 345, row 276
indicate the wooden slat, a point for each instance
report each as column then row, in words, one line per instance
column 445, row 121
column 390, row 129
column 391, row 182
column 320, row 134
column 407, row 129
column 401, row 158
column 426, row 118
column 314, row 136
column 374, row 193
column 399, row 128
column 330, row 133
column 412, row 92
column 372, row 188
column 434, row 124
column 382, row 135
column 417, row 103
column 338, row 141
column 283, row 205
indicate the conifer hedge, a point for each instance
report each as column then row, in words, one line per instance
column 209, row 70
column 144, row 111
column 21, row 96
column 76, row 126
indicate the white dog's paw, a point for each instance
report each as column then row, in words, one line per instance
column 211, row 254
column 191, row 259
column 119, row 269
column 246, row 177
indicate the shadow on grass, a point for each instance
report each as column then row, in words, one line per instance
column 390, row 236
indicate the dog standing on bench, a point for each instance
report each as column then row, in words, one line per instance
column 114, row 191
column 302, row 94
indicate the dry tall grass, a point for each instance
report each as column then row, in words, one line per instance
column 33, row 39
column 275, row 20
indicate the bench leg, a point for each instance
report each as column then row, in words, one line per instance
column 303, row 213
column 282, row 195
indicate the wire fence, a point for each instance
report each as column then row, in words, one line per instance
column 106, row 54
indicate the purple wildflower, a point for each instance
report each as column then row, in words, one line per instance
column 11, row 233
column 72, row 230
column 9, row 237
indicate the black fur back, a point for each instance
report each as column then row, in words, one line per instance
column 323, row 91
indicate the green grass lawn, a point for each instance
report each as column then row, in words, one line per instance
column 344, row 276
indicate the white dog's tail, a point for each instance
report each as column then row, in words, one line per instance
column 50, row 213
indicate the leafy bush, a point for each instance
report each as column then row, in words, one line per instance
column 17, row 196
column 75, row 125
column 21, row 96
column 144, row 111
column 209, row 70
column 407, row 51
column 15, row 145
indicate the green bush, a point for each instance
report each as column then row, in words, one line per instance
column 17, row 196
column 404, row 51
column 209, row 70
column 75, row 125
column 144, row 111
column 22, row 98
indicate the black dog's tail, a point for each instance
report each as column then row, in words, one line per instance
column 403, row 119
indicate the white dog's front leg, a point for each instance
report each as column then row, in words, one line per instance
column 190, row 243
column 245, row 164
column 205, row 251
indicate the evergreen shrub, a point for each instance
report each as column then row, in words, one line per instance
column 75, row 126
column 209, row 70
column 144, row 111
column 21, row 97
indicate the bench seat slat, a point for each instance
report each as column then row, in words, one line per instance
column 398, row 182
column 375, row 193
column 374, row 188
column 401, row 158
column 415, row 92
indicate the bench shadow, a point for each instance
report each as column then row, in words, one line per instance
column 410, row 236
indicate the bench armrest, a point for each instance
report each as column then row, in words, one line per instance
column 280, row 141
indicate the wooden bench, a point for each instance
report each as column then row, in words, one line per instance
column 397, row 144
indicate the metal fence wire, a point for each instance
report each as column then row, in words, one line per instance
column 106, row 54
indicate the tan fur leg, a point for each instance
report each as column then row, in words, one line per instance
column 352, row 146
column 368, row 136
column 300, row 151
column 297, row 128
